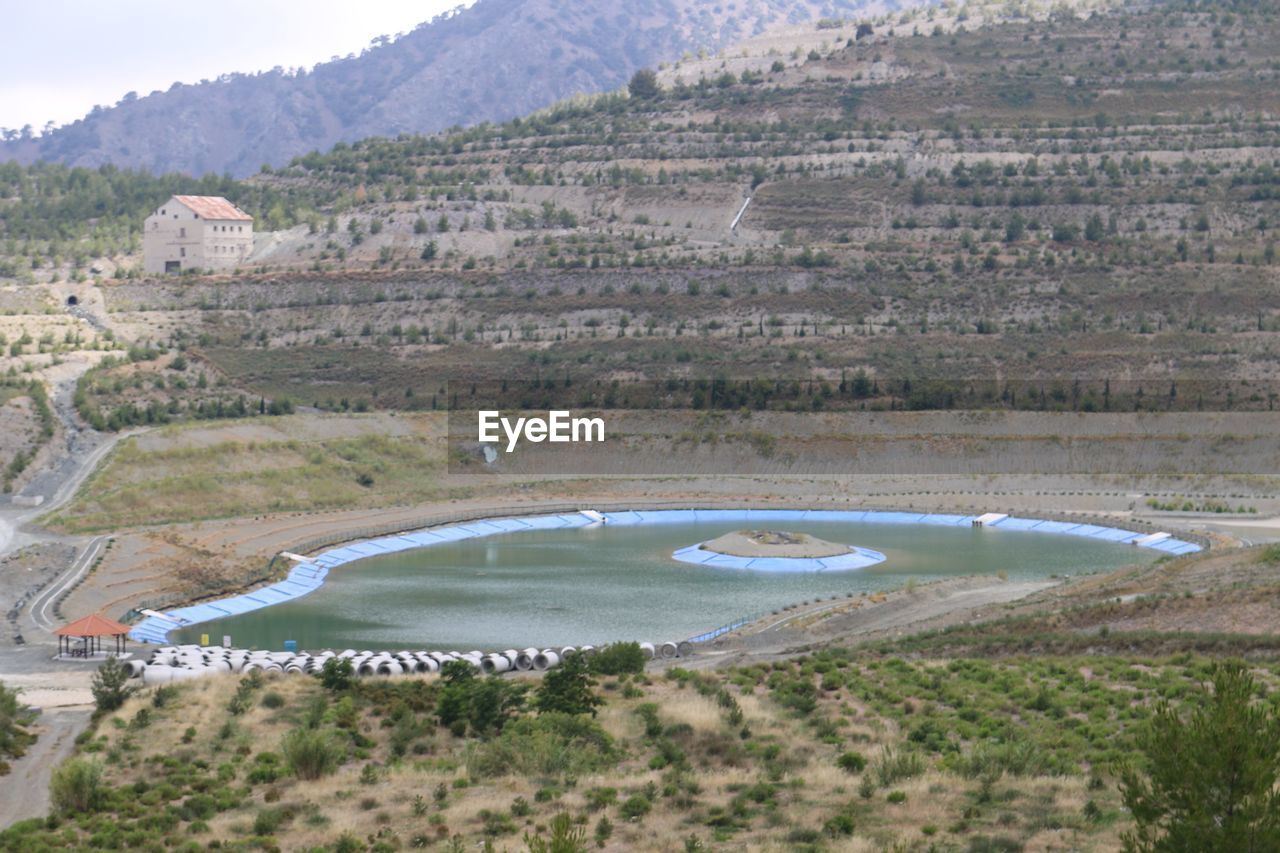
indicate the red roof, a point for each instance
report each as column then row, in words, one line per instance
column 95, row 625
column 213, row 207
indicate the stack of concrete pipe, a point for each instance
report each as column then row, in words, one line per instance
column 180, row 663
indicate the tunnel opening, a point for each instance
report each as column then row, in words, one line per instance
column 73, row 301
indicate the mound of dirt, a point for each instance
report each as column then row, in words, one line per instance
column 774, row 543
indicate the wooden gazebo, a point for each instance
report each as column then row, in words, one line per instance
column 91, row 629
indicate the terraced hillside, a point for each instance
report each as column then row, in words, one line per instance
column 1077, row 208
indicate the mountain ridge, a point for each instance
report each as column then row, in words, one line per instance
column 457, row 69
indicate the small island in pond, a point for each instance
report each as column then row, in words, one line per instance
column 774, row 543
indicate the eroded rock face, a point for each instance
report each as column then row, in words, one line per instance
column 774, row 543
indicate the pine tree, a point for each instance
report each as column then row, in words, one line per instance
column 1209, row 780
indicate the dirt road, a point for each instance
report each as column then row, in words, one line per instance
column 26, row 788
column 854, row 620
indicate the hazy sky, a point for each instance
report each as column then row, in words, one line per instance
column 58, row 58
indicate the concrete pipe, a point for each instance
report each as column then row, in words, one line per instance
column 586, row 651
column 567, row 652
column 294, row 669
column 492, row 664
column 428, row 664
column 271, row 668
column 668, row 650
column 220, row 666
column 390, row 667
column 347, row 653
column 509, row 654
column 648, row 650
column 545, row 659
column 157, row 674
column 134, row 668
column 367, row 667
column 684, row 648
column 524, row 660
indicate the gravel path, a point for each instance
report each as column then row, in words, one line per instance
column 26, row 788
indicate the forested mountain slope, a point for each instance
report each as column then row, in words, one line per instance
column 493, row 61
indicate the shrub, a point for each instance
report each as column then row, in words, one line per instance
column 604, row 829
column 851, row 762
column 567, row 689
column 76, row 786
column 1017, row 758
column 618, row 658
column 311, row 754
column 14, row 720
column 643, row 84
column 268, row 821
column 272, row 700
column 841, row 824
column 565, row 837
column 894, row 765
column 599, row 798
column 337, row 674
column 484, row 704
column 551, row 744
column 110, row 685
column 635, row 807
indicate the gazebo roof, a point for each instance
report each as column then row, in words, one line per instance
column 95, row 625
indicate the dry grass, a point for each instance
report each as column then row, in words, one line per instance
column 767, row 783
column 187, row 482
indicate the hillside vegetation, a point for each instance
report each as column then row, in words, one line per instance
column 829, row 751
column 1061, row 211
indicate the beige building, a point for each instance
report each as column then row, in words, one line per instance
column 196, row 232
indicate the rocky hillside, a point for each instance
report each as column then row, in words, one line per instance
column 493, row 61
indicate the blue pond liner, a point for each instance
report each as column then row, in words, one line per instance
column 306, row 577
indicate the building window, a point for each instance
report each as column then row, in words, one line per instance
column 182, row 253
column 182, row 232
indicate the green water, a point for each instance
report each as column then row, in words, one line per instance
column 593, row 585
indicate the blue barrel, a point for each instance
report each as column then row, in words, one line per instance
column 291, row 645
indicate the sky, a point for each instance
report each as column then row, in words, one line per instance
column 58, row 58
